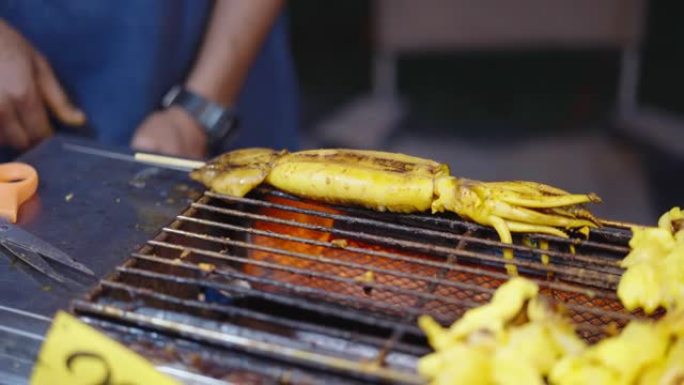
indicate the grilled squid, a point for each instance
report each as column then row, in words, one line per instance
column 400, row 183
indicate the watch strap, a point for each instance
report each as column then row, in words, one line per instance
column 216, row 120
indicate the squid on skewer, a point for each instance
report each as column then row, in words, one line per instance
column 401, row 183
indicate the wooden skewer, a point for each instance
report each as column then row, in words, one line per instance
column 168, row 161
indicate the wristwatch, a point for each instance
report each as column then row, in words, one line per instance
column 218, row 122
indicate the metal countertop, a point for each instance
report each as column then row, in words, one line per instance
column 95, row 208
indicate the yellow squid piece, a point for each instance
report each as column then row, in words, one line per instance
column 655, row 266
column 401, row 183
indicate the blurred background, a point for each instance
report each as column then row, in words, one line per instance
column 582, row 94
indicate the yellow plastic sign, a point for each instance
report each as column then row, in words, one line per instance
column 76, row 354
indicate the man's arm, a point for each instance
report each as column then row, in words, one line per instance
column 234, row 36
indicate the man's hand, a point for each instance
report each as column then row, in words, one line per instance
column 28, row 88
column 173, row 132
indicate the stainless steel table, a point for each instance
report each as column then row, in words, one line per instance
column 97, row 209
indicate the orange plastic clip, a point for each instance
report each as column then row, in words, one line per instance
column 18, row 183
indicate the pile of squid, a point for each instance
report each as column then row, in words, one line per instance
column 519, row 339
column 401, row 183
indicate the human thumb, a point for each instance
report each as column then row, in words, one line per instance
column 54, row 95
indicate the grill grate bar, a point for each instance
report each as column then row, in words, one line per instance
column 234, row 369
column 267, row 349
column 309, row 273
column 329, row 261
column 596, row 276
column 432, row 286
column 234, row 311
column 617, row 232
column 363, row 214
column 381, row 254
column 600, row 312
column 410, row 310
column 597, row 263
column 315, row 292
column 321, row 308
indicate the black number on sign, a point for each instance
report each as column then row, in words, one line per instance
column 78, row 356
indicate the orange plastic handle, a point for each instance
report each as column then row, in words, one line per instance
column 18, row 183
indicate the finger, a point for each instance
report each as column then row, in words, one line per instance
column 54, row 95
column 145, row 137
column 195, row 143
column 178, row 143
column 165, row 137
column 143, row 142
column 191, row 138
column 12, row 132
column 33, row 116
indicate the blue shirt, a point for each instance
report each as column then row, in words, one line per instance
column 116, row 59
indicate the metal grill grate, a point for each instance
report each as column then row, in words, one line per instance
column 275, row 288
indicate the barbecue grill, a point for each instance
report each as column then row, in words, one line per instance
column 275, row 289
